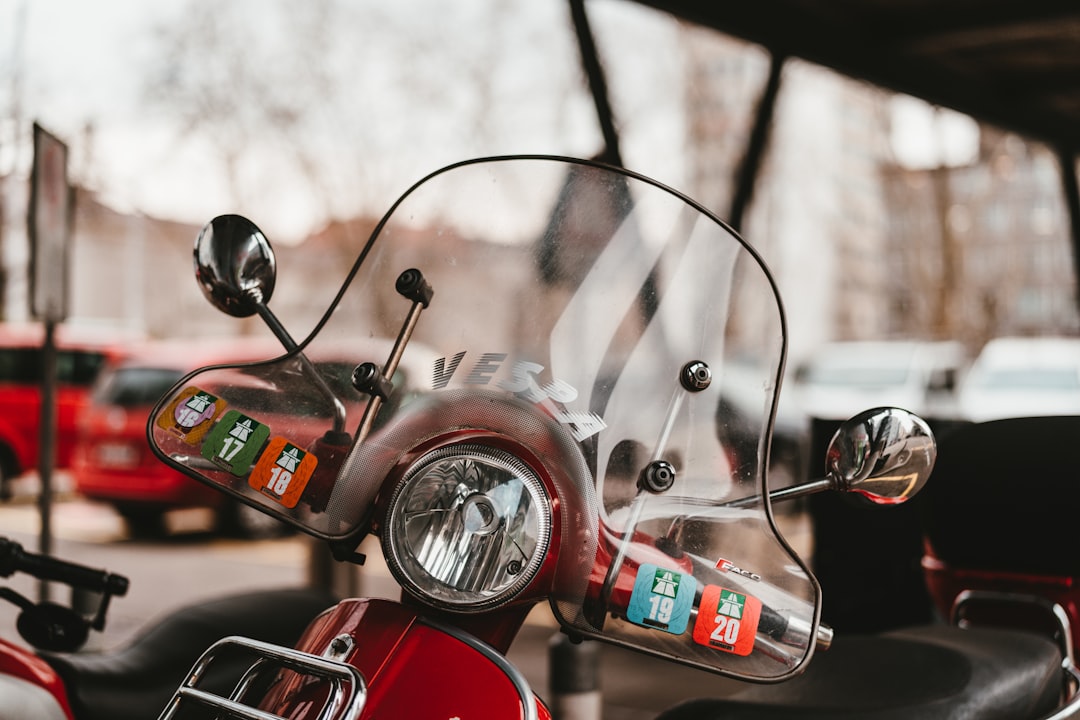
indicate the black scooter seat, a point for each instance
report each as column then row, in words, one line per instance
column 928, row 672
column 137, row 681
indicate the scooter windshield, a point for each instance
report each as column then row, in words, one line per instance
column 584, row 325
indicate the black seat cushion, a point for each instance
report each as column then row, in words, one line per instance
column 928, row 672
column 1004, row 496
column 137, row 681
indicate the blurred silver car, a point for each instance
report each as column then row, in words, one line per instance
column 1023, row 377
column 843, row 378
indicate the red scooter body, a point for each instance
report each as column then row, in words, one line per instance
column 418, row 667
column 998, row 519
column 20, row 663
column 413, row 669
column 950, row 586
column 570, row 437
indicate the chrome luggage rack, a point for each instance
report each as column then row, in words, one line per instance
column 1070, row 707
column 345, row 701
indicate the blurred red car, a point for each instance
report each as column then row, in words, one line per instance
column 81, row 354
column 114, row 464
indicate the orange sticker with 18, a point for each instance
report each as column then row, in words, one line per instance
column 282, row 471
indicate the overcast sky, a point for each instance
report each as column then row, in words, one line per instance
column 416, row 87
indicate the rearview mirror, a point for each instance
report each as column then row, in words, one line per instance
column 235, row 265
column 884, row 454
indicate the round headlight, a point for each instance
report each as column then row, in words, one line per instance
column 468, row 527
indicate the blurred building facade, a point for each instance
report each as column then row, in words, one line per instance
column 135, row 273
column 981, row 250
column 862, row 247
column 819, row 214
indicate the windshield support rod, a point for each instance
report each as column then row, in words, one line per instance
column 746, row 176
column 1071, row 191
column 594, row 72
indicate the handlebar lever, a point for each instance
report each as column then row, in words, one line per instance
column 52, row 626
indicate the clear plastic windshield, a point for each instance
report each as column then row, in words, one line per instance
column 630, row 341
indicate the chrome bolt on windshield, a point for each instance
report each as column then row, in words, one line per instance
column 657, row 477
column 696, row 376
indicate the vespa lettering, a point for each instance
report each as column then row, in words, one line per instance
column 521, row 378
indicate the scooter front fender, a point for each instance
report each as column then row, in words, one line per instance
column 413, row 667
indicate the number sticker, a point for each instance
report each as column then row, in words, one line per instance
column 282, row 471
column 191, row 414
column 727, row 620
column 234, row 442
column 662, row 599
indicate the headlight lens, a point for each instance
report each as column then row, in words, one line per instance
column 468, row 527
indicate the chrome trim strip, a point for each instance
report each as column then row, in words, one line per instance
column 1071, row 708
column 1053, row 609
column 1071, row 689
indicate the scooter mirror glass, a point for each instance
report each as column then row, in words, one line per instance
column 235, row 265
column 884, row 454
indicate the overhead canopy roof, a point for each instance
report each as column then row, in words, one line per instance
column 1011, row 63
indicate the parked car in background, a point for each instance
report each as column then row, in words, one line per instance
column 114, row 464
column 843, row 378
column 1023, row 377
column 81, row 354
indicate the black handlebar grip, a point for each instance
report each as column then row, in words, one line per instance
column 13, row 558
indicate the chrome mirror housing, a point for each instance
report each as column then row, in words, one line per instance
column 884, row 454
column 235, row 265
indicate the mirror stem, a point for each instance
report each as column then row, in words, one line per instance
column 789, row 493
column 291, row 346
column 275, row 326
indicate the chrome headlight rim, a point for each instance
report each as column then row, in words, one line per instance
column 416, row 579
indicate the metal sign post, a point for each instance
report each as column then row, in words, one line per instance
column 50, row 220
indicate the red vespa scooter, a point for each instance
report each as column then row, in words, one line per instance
column 587, row 325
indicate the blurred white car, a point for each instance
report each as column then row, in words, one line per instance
column 844, row 378
column 1023, row 377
